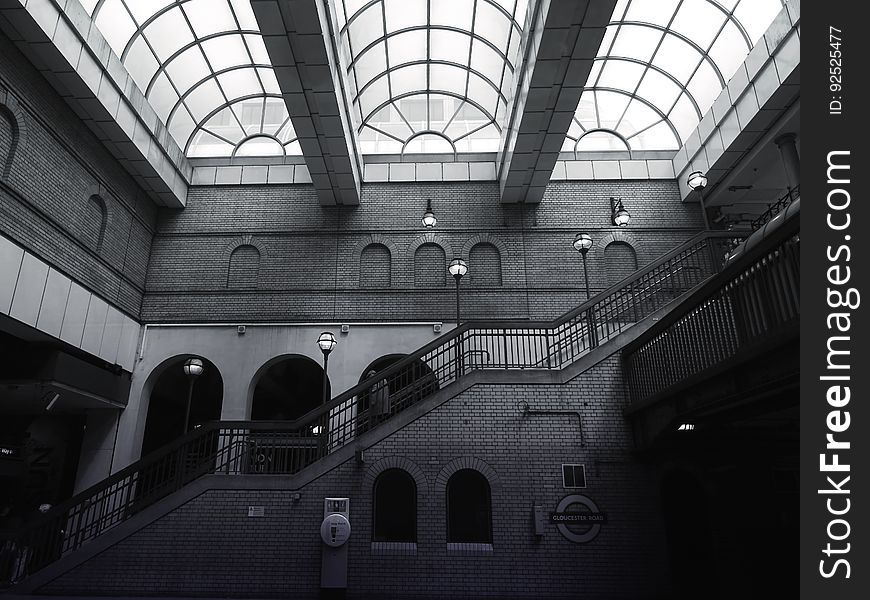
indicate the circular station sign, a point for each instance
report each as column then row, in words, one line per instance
column 578, row 526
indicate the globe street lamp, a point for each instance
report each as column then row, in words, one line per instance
column 429, row 219
column 193, row 368
column 618, row 215
column 698, row 181
column 582, row 243
column 457, row 268
column 327, row 343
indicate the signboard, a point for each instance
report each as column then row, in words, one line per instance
column 256, row 511
column 578, row 519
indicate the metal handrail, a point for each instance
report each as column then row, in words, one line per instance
column 228, row 446
column 777, row 207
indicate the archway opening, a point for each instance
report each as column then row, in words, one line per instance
column 168, row 402
column 289, row 388
column 400, row 390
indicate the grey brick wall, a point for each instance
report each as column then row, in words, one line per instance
column 310, row 262
column 56, row 166
column 210, row 547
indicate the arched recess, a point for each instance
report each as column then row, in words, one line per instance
column 394, row 507
column 401, row 390
column 466, row 463
column 167, row 401
column 244, row 267
column 430, row 266
column 484, row 265
column 469, row 508
column 375, row 266
column 243, row 257
column 286, row 388
column 94, row 222
column 365, row 242
column 13, row 131
column 620, row 261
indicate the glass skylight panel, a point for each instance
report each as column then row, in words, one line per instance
column 438, row 52
column 194, row 59
column 684, row 52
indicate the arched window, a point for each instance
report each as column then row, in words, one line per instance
column 7, row 139
column 620, row 261
column 244, row 267
column 94, row 226
column 484, row 268
column 469, row 508
column 374, row 267
column 394, row 511
column 430, row 266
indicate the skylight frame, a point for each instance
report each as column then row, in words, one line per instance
column 682, row 114
column 184, row 122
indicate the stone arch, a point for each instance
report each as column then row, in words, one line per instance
column 399, row 462
column 465, row 462
column 264, row 368
column 430, row 266
column 11, row 112
column 619, row 236
column 484, row 238
column 430, row 238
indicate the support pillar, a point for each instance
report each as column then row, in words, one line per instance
column 790, row 159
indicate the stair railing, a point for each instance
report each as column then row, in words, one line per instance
column 286, row 447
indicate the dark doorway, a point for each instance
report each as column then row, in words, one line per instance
column 168, row 403
column 288, row 389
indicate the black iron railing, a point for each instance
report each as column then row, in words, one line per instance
column 286, row 447
column 749, row 303
column 776, row 208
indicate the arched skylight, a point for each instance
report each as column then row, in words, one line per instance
column 203, row 66
column 661, row 65
column 429, row 75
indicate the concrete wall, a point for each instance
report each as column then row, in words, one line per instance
column 209, row 546
column 242, row 359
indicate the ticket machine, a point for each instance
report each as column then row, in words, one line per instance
column 335, row 532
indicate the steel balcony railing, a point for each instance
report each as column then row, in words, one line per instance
column 286, row 447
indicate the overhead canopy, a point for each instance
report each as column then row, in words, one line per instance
column 429, row 76
column 203, row 66
column 661, row 65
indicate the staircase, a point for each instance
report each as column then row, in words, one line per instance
column 287, row 447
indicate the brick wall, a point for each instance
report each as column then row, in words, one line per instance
column 45, row 192
column 210, row 547
column 310, row 255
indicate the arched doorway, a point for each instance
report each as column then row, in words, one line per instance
column 285, row 389
column 402, row 389
column 168, row 402
column 288, row 388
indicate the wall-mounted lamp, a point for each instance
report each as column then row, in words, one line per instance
column 698, row 181
column 429, row 219
column 618, row 215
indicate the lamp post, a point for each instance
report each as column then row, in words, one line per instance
column 326, row 342
column 582, row 243
column 698, row 181
column 429, row 219
column 193, row 368
column 618, row 215
column 457, row 268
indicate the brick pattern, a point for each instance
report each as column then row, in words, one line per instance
column 620, row 261
column 45, row 205
column 430, row 267
column 375, row 267
column 542, row 275
column 484, row 266
column 205, row 546
column 244, row 267
column 7, row 134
